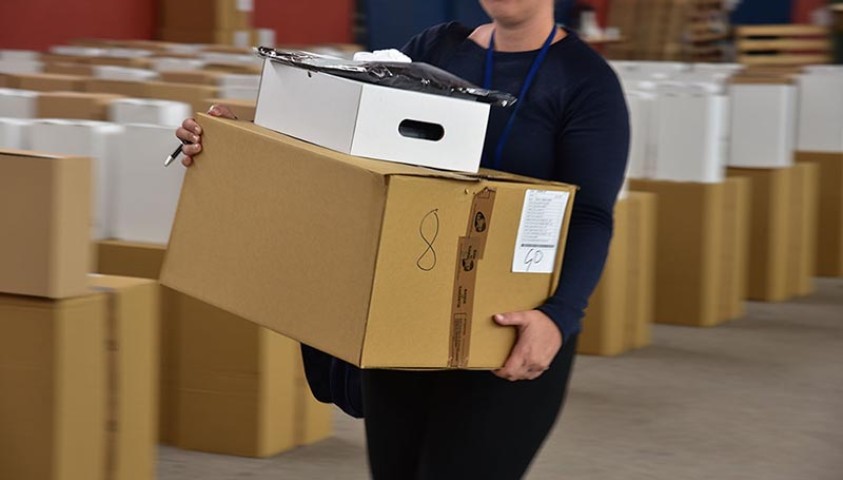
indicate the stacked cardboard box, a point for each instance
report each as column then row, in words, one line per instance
column 620, row 313
column 77, row 353
column 226, row 385
column 829, row 240
column 227, row 22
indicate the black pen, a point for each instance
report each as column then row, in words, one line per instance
column 174, row 155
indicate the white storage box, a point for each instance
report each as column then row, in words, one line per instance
column 18, row 103
column 238, row 93
column 763, row 125
column 643, row 138
column 821, row 112
column 13, row 134
column 171, row 64
column 24, row 67
column 18, row 55
column 372, row 121
column 166, row 113
column 109, row 72
column 230, row 58
column 690, row 133
column 74, row 50
column 240, row 81
column 97, row 140
column 145, row 193
column 731, row 68
column 127, row 53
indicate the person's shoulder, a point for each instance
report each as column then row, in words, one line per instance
column 580, row 63
column 423, row 46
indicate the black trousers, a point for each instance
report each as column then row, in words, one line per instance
column 460, row 424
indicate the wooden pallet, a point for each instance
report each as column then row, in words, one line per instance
column 771, row 45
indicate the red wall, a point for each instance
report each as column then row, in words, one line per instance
column 802, row 9
column 306, row 21
column 39, row 24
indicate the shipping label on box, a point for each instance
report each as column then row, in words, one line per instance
column 372, row 121
column 388, row 265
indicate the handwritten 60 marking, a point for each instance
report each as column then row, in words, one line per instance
column 533, row 257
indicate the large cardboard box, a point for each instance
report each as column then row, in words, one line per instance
column 736, row 221
column 802, row 245
column 49, row 82
column 194, row 95
column 119, row 87
column 821, row 112
column 207, row 14
column 689, row 251
column 829, row 240
column 45, row 218
column 605, row 325
column 78, row 383
column 85, row 106
column 643, row 212
column 769, row 232
column 205, row 403
column 371, row 120
column 391, row 238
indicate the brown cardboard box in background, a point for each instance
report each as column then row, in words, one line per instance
column 802, row 244
column 689, row 251
column 86, row 106
column 244, row 109
column 44, row 247
column 49, row 82
column 204, row 15
column 829, row 240
column 233, row 37
column 226, row 68
column 643, row 211
column 605, row 325
column 236, row 385
column 118, row 87
column 57, row 58
column 189, row 328
column 769, row 232
column 62, row 385
column 131, row 62
column 736, row 220
column 5, row 81
column 195, row 95
column 77, row 69
column 356, row 213
column 197, row 77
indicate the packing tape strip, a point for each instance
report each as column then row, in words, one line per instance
column 470, row 251
column 112, row 402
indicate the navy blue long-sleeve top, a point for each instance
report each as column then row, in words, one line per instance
column 573, row 127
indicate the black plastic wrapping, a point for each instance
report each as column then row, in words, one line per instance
column 413, row 76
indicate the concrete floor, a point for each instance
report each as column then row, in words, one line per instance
column 758, row 398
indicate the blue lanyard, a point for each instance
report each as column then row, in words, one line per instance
column 528, row 82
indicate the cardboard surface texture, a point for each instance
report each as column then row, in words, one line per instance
column 49, row 82
column 802, row 245
column 689, row 251
column 194, row 95
column 736, row 221
column 218, row 369
column 829, row 240
column 372, row 121
column 45, row 213
column 769, row 232
column 72, row 407
column 119, row 87
column 78, row 105
column 387, row 233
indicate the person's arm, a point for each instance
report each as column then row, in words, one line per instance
column 591, row 151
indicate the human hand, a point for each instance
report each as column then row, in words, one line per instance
column 539, row 340
column 190, row 133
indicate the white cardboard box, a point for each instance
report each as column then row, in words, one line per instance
column 238, row 93
column 13, row 133
column 820, row 112
column 690, row 132
column 127, row 52
column 763, row 125
column 17, row 55
column 146, row 194
column 18, row 103
column 110, row 72
column 166, row 113
column 172, row 64
column 77, row 51
column 731, row 68
column 643, row 141
column 21, row 66
column 97, row 140
column 372, row 121
column 238, row 80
